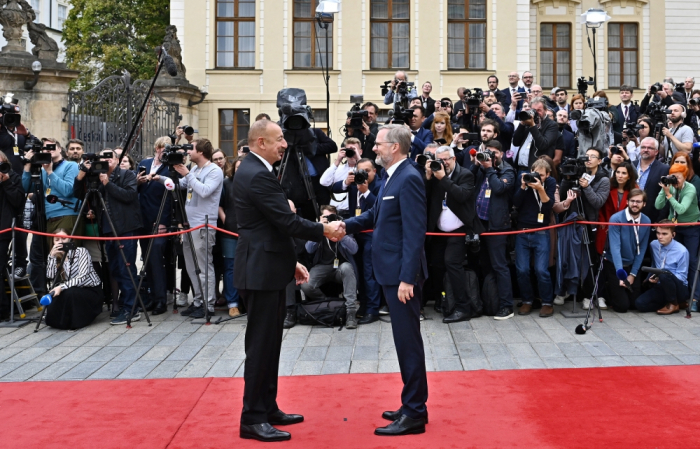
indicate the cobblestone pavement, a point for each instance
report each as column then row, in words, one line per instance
column 173, row 347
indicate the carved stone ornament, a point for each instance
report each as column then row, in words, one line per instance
column 172, row 45
column 543, row 4
column 44, row 47
column 638, row 5
column 13, row 15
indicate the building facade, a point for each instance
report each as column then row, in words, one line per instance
column 244, row 51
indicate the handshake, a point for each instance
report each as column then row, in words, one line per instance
column 333, row 227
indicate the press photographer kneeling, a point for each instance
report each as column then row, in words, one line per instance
column 77, row 299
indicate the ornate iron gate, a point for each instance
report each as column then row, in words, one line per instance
column 102, row 117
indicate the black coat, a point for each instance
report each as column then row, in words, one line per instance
column 324, row 146
column 11, row 203
column 265, row 255
column 544, row 139
column 619, row 116
column 121, row 197
column 7, row 144
column 461, row 199
column 228, row 204
column 430, row 109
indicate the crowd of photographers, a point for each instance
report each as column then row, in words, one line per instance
column 494, row 161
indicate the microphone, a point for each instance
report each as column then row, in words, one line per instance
column 167, row 182
column 170, row 65
column 581, row 329
column 46, row 299
column 53, row 199
column 622, row 275
column 472, row 152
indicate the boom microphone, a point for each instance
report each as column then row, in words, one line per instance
column 622, row 275
column 53, row 199
column 170, row 65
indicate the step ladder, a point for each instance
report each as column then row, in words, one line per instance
column 23, row 293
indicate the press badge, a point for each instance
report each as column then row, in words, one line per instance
column 48, row 191
column 358, row 212
column 540, row 218
column 444, row 204
column 487, row 194
column 336, row 263
column 16, row 150
column 189, row 196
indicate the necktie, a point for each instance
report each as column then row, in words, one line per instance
column 512, row 91
column 626, row 112
column 362, row 203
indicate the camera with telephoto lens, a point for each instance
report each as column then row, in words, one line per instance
column 680, row 87
column 669, row 180
column 402, row 117
column 422, row 159
column 9, row 110
column 655, row 88
column 98, row 163
column 694, row 101
column 333, row 217
column 361, row 177
column 5, row 168
column 349, row 152
column 485, row 155
column 632, row 129
column 529, row 178
column 582, row 85
column 187, row 129
column 402, row 87
column 527, row 115
column 172, row 154
column 356, row 114
column 573, row 168
column 437, row 165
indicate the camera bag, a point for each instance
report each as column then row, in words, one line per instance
column 327, row 312
column 471, row 286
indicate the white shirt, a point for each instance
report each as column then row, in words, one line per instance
column 448, row 221
column 332, row 175
column 390, row 171
column 267, row 164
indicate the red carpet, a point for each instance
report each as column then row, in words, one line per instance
column 600, row 407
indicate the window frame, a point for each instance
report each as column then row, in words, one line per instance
column 389, row 21
column 314, row 37
column 621, row 51
column 554, row 54
column 236, row 20
column 467, row 21
column 235, row 126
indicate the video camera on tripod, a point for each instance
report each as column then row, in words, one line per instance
column 41, row 156
column 356, row 114
column 96, row 164
column 572, row 169
column 592, row 125
column 473, row 99
column 659, row 115
column 582, row 84
column 175, row 154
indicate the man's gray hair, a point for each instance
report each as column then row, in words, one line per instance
column 405, row 76
column 445, row 149
column 539, row 100
column 398, row 134
column 651, row 139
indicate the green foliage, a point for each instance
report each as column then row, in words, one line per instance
column 103, row 37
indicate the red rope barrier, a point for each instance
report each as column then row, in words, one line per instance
column 133, row 237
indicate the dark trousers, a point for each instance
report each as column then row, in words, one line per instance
column 619, row 297
column 21, row 249
column 668, row 290
column 4, row 257
column 155, row 269
column 496, row 249
column 447, row 255
column 405, row 326
column 263, row 342
column 689, row 236
column 38, row 253
column 369, row 287
column 119, row 269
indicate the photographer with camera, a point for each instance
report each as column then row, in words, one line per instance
column 536, row 135
column 451, row 209
column 368, row 134
column 57, row 178
column 667, row 289
column 660, row 94
column 184, row 131
column 11, row 205
column 351, row 152
column 682, row 198
column 495, row 179
column 420, row 137
column 77, row 299
column 333, row 262
column 399, row 84
column 534, row 200
column 152, row 181
column 203, row 184
column 489, row 131
column 650, row 171
column 496, row 113
column 680, row 136
column 566, row 146
column 118, row 188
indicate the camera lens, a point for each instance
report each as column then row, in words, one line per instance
column 436, row 165
column 349, row 152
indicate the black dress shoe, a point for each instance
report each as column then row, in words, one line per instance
column 393, row 416
column 456, row 317
column 402, row 426
column 368, row 319
column 263, row 432
column 279, row 418
column 160, row 309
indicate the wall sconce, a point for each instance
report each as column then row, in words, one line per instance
column 36, row 68
column 203, row 92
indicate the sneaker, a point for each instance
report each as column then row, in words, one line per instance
column 525, row 309
column 546, row 311
column 233, row 312
column 586, row 303
column 198, row 312
column 121, row 317
column 20, row 273
column 181, row 298
column 422, row 314
column 694, row 306
column 504, row 313
column 601, row 304
column 384, row 310
column 188, row 311
column 559, row 300
column 114, row 313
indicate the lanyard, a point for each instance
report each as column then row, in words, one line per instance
column 537, row 198
column 636, row 231
column 335, row 251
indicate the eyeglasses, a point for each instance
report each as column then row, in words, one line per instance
column 527, row 77
column 381, row 143
column 635, row 201
column 593, row 157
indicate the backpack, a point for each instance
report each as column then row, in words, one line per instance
column 326, row 312
column 471, row 286
column 489, row 294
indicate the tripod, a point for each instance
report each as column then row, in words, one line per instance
column 582, row 328
column 303, row 171
column 93, row 190
column 692, row 292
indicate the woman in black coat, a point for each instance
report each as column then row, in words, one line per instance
column 11, row 205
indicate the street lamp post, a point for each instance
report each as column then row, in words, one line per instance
column 325, row 15
column 594, row 19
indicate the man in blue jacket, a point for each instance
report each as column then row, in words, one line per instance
column 420, row 137
column 399, row 220
column 625, row 250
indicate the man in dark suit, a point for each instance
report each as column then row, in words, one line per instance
column 451, row 209
column 513, row 88
column 566, row 145
column 535, row 137
column 626, row 111
column 427, row 102
column 493, row 89
column 650, row 172
column 420, row 136
column 265, row 264
column 399, row 222
column 325, row 146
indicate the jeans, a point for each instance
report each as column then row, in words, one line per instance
column 228, row 253
column 321, row 274
column 199, row 243
column 155, row 269
column 118, row 267
column 537, row 242
column 689, row 236
column 668, row 290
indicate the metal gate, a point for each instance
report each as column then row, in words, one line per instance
column 102, row 117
